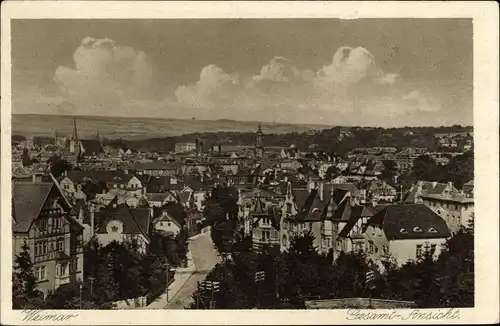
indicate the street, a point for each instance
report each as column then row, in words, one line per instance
column 205, row 258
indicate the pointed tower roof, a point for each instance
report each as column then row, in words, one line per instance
column 259, row 207
column 75, row 131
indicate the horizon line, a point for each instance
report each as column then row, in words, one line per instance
column 242, row 121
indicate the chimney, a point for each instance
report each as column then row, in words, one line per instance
column 37, row 178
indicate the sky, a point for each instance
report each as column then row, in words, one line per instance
column 366, row 72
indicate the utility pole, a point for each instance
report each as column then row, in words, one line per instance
column 81, row 291
column 91, row 279
column 167, row 271
column 259, row 277
column 197, row 294
column 370, row 278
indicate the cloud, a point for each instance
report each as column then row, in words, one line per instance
column 214, row 88
column 105, row 75
column 420, row 102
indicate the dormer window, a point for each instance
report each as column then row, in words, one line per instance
column 403, row 231
column 432, row 230
column 417, row 229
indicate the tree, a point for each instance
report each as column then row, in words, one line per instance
column 389, row 172
column 24, row 289
column 26, row 157
column 332, row 172
column 58, row 166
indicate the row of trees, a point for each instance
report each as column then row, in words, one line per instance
column 301, row 273
column 114, row 272
column 459, row 170
column 326, row 139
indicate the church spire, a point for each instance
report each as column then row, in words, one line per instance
column 75, row 132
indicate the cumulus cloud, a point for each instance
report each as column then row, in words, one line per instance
column 105, row 75
column 352, row 83
column 421, row 102
column 214, row 88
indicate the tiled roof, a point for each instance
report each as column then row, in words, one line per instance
column 158, row 196
column 135, row 221
column 27, row 202
column 356, row 213
column 91, row 147
column 259, row 208
column 96, row 176
column 410, row 221
column 153, row 165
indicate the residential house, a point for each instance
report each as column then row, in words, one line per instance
column 153, row 168
column 265, row 225
column 197, row 190
column 169, row 218
column 349, row 219
column 44, row 219
column 121, row 223
column 403, row 232
column 71, row 180
column 454, row 206
column 380, row 191
column 185, row 147
column 160, row 199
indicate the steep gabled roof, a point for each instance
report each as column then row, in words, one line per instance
column 135, row 221
column 91, row 147
column 356, row 213
column 410, row 221
column 27, row 202
column 259, row 208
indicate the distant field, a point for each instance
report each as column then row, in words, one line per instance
column 138, row 128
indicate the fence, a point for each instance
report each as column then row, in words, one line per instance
column 361, row 303
column 132, row 303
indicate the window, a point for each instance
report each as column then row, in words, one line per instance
column 169, row 224
column 386, row 249
column 74, row 265
column 403, row 231
column 57, row 222
column 371, row 247
column 433, row 248
column 114, row 228
column 40, row 248
column 161, row 223
column 432, row 230
column 417, row 229
column 40, row 273
column 42, row 224
column 419, row 251
column 60, row 244
column 265, row 235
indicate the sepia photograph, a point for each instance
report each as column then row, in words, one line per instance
column 243, row 163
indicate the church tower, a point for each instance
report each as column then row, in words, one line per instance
column 259, row 149
column 74, row 144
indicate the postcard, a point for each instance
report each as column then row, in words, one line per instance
column 249, row 162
